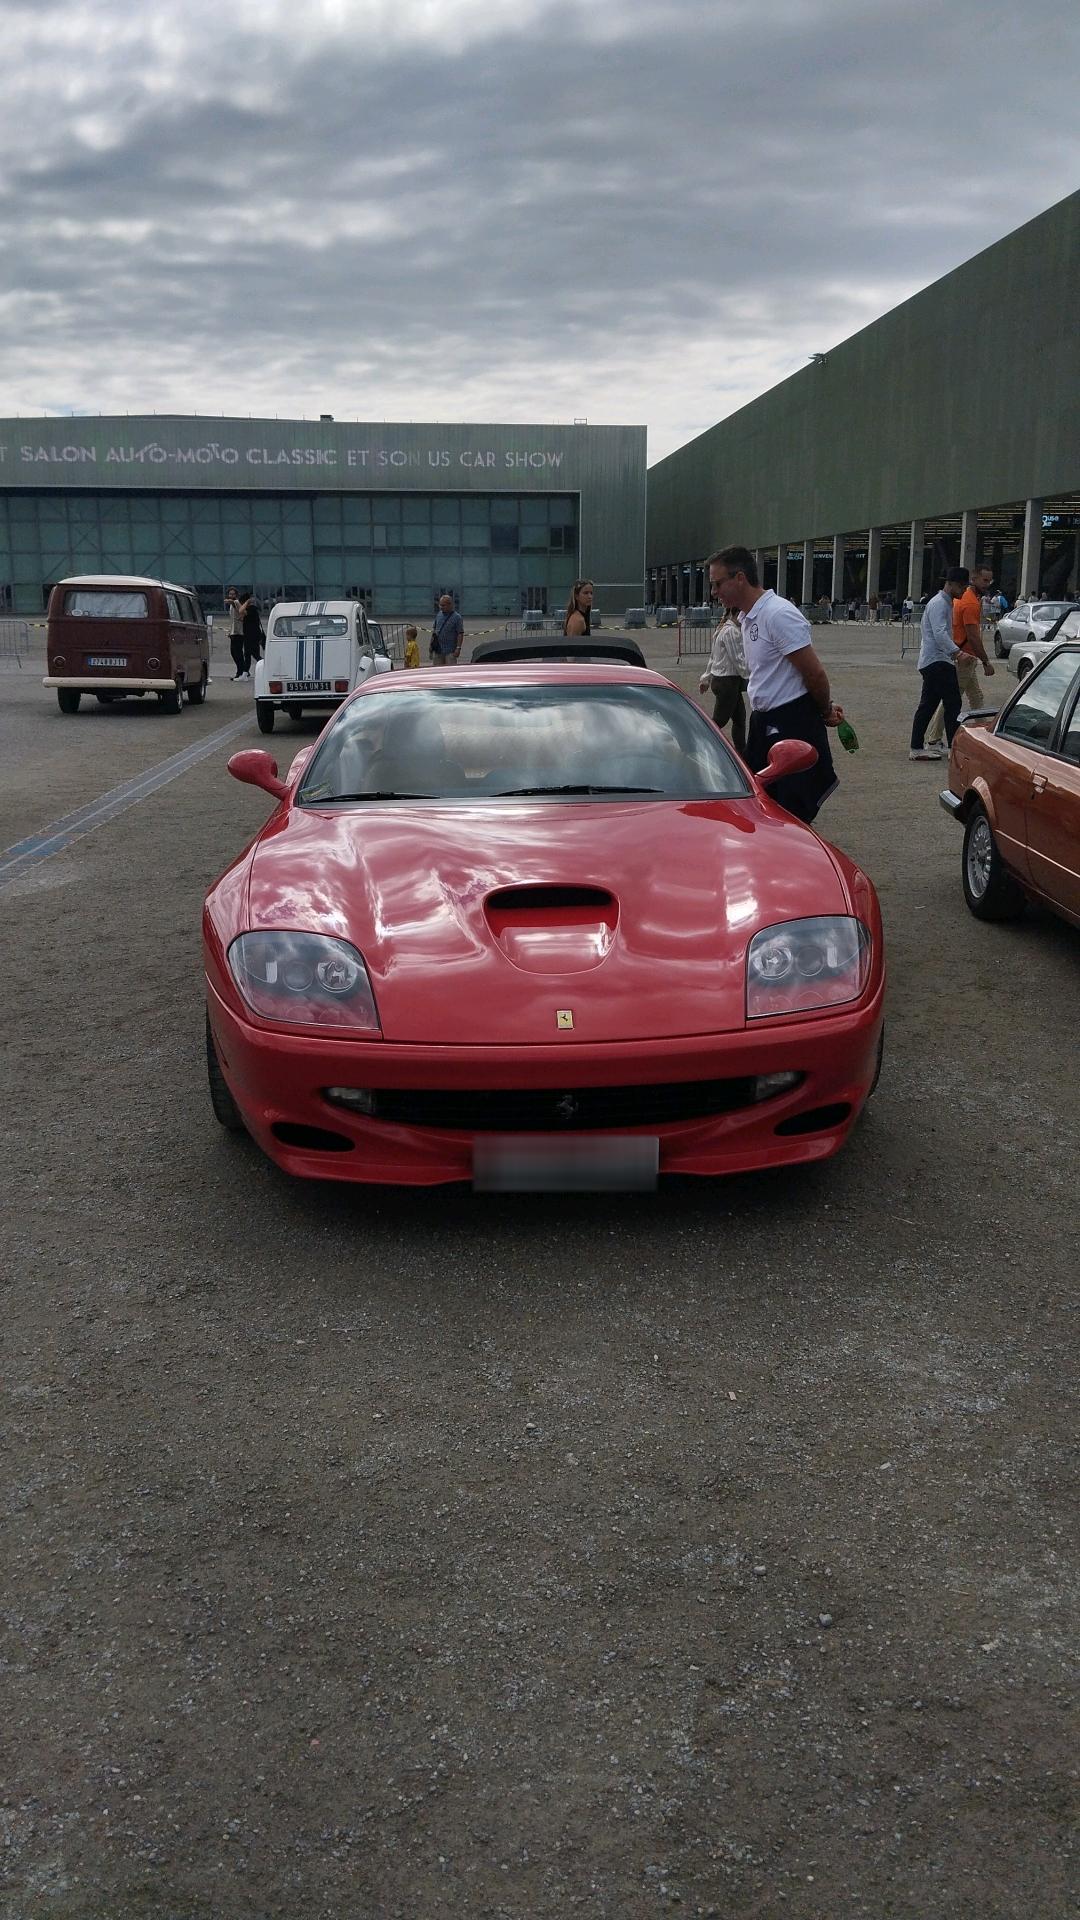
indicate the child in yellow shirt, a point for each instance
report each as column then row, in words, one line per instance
column 412, row 647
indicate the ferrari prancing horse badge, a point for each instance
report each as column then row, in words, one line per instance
column 563, row 1017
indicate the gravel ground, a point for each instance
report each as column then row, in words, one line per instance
column 371, row 1554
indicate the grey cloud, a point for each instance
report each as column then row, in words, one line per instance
column 546, row 215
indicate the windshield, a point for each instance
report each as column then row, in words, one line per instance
column 105, row 604
column 492, row 742
column 311, row 626
column 1049, row 609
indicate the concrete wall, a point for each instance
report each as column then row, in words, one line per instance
column 968, row 395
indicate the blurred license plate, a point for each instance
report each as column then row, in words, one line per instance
column 107, row 660
column 535, row 1163
column 307, row 686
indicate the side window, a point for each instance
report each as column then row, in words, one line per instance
column 173, row 605
column 362, row 631
column 1070, row 739
column 187, row 608
column 1030, row 720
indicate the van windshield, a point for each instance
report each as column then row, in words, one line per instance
column 104, row 604
column 311, row 626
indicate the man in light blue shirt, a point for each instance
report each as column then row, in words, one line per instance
column 937, row 665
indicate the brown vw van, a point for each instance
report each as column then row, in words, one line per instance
column 114, row 635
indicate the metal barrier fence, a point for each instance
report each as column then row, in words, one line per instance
column 542, row 623
column 393, row 633
column 692, row 638
column 910, row 636
column 14, row 640
column 547, row 624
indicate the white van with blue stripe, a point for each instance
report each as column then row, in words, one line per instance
column 316, row 652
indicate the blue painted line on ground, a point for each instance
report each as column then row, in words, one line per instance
column 18, row 859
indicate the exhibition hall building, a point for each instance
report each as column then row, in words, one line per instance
column 502, row 518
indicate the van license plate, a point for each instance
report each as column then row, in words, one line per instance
column 106, row 660
column 307, row 686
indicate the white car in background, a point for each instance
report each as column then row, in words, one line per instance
column 1028, row 652
column 1028, row 620
column 316, row 653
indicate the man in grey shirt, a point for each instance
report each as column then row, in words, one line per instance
column 937, row 665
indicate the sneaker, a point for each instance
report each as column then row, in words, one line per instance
column 925, row 753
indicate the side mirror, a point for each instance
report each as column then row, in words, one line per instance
column 258, row 769
column 788, row 756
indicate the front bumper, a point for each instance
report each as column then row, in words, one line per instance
column 277, row 1080
column 951, row 802
column 107, row 683
column 316, row 701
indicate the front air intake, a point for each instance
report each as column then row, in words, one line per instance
column 536, row 898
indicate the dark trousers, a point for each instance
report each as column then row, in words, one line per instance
column 239, row 652
column 939, row 686
column 801, row 719
column 728, row 690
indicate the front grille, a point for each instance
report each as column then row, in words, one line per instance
column 562, row 1109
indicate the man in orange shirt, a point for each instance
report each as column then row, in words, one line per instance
column 967, row 635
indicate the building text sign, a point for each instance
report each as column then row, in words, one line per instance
column 82, row 452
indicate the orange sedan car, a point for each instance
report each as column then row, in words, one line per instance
column 1014, row 784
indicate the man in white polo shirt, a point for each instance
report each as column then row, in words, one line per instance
column 789, row 688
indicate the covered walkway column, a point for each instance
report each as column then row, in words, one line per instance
column 915, row 560
column 838, row 550
column 969, row 538
column 1031, row 564
column 759, row 562
column 873, row 562
column 781, row 569
column 807, row 572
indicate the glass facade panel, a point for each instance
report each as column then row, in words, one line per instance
column 497, row 552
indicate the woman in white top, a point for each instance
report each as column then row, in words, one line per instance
column 726, row 674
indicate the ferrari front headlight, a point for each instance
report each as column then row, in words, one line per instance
column 304, row 979
column 806, row 964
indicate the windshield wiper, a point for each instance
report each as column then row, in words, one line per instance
column 382, row 793
column 508, row 793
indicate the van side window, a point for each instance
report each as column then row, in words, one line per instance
column 173, row 605
column 188, row 608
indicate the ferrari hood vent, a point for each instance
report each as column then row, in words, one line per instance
column 537, row 898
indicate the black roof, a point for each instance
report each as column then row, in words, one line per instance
column 535, row 647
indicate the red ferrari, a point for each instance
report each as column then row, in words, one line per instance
column 537, row 926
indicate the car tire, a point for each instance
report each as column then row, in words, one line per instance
column 989, row 888
column 226, row 1111
column 172, row 702
column 197, row 694
column 1000, row 648
column 264, row 714
column 67, row 699
column 1023, row 668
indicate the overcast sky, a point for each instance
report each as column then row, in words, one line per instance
column 497, row 210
